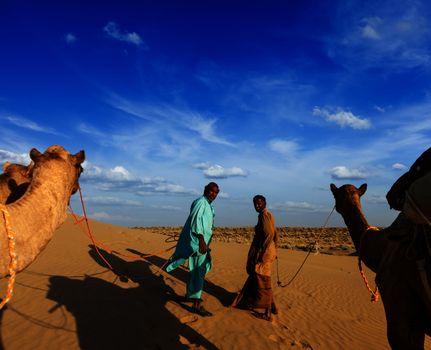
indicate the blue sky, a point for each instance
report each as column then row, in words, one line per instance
column 279, row 98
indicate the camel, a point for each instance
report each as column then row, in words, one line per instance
column 400, row 266
column 14, row 181
column 42, row 209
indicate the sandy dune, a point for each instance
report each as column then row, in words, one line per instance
column 68, row 299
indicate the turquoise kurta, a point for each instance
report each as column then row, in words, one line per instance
column 200, row 221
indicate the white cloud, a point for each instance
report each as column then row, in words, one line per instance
column 113, row 31
column 285, row 147
column 119, row 178
column 342, row 172
column 20, row 158
column 117, row 173
column 399, row 166
column 70, row 38
column 215, row 171
column 342, row 118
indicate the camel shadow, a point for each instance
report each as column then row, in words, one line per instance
column 111, row 317
column 224, row 296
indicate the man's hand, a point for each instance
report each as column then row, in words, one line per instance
column 202, row 246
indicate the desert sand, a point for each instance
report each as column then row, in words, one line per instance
column 69, row 299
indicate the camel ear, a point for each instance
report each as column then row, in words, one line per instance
column 5, row 166
column 333, row 188
column 35, row 154
column 362, row 189
column 79, row 157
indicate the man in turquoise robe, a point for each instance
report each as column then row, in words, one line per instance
column 193, row 245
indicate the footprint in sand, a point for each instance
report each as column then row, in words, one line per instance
column 188, row 319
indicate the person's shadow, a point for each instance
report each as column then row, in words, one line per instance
column 110, row 317
column 224, row 296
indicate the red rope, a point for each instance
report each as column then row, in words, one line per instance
column 105, row 247
column 375, row 292
column 90, row 234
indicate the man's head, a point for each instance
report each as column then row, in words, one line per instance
column 211, row 191
column 259, row 202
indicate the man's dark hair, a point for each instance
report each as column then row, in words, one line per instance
column 259, row 196
column 211, row 184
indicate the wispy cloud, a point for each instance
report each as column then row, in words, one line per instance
column 112, row 201
column 70, row 38
column 215, row 171
column 113, row 31
column 297, row 206
column 369, row 30
column 172, row 118
column 167, row 207
column 376, row 199
column 29, row 124
column 393, row 34
column 286, row 148
column 342, row 118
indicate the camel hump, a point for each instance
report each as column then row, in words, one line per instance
column 417, row 204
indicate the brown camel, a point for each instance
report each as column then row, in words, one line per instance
column 14, row 181
column 397, row 255
column 42, row 209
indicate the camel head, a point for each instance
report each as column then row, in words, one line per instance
column 58, row 155
column 17, row 172
column 347, row 196
column 14, row 181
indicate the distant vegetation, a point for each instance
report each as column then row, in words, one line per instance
column 330, row 240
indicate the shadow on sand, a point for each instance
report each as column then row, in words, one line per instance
column 225, row 297
column 110, row 317
column 1, row 325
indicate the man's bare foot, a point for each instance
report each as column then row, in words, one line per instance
column 198, row 308
column 201, row 311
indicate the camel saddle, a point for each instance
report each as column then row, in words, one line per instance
column 411, row 193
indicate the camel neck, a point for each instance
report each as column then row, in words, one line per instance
column 356, row 224
column 37, row 215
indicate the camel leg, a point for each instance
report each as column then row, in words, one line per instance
column 404, row 317
column 402, row 336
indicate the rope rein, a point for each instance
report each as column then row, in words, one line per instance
column 315, row 247
column 98, row 245
column 13, row 257
column 374, row 293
